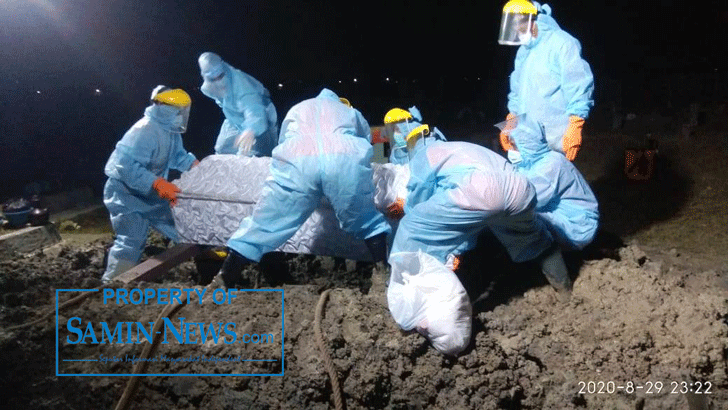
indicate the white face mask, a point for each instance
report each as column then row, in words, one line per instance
column 524, row 38
column 514, row 156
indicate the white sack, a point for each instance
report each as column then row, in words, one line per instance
column 424, row 294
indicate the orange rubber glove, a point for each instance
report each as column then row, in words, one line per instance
column 396, row 210
column 457, row 260
column 572, row 137
column 505, row 139
column 166, row 190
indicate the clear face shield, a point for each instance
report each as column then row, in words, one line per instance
column 394, row 134
column 515, row 28
column 506, row 127
column 182, row 118
column 509, row 125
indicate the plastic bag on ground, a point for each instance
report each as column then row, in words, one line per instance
column 424, row 294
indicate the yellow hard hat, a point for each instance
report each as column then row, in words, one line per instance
column 520, row 7
column 424, row 129
column 345, row 102
column 397, row 115
column 176, row 97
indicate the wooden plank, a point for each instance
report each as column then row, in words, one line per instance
column 157, row 266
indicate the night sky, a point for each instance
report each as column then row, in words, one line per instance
column 78, row 73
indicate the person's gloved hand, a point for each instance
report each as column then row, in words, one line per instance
column 572, row 137
column 166, row 190
column 196, row 163
column 396, row 209
column 456, row 262
column 245, row 142
column 505, row 139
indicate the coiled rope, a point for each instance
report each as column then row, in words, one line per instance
column 328, row 363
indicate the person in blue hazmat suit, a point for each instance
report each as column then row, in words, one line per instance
column 550, row 81
column 565, row 201
column 250, row 125
column 137, row 193
column 325, row 151
column 457, row 189
column 398, row 123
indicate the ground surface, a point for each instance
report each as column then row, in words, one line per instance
column 649, row 310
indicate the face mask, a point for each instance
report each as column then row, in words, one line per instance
column 524, row 38
column 399, row 141
column 514, row 157
column 214, row 89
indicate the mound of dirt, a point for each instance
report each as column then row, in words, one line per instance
column 642, row 319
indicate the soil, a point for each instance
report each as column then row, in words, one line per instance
column 648, row 312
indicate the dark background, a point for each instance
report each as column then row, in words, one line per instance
column 77, row 74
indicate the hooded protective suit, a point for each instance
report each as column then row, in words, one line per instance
column 245, row 102
column 564, row 199
column 146, row 152
column 324, row 151
column 550, row 81
column 456, row 189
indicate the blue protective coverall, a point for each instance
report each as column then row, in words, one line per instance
column 457, row 189
column 246, row 104
column 564, row 199
column 551, row 81
column 146, row 152
column 324, row 151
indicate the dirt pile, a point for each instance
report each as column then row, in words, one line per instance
column 642, row 319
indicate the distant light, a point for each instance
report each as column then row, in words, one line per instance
column 355, row 80
column 478, row 78
column 339, row 81
column 386, row 79
column 37, row 92
column 280, row 86
column 97, row 92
